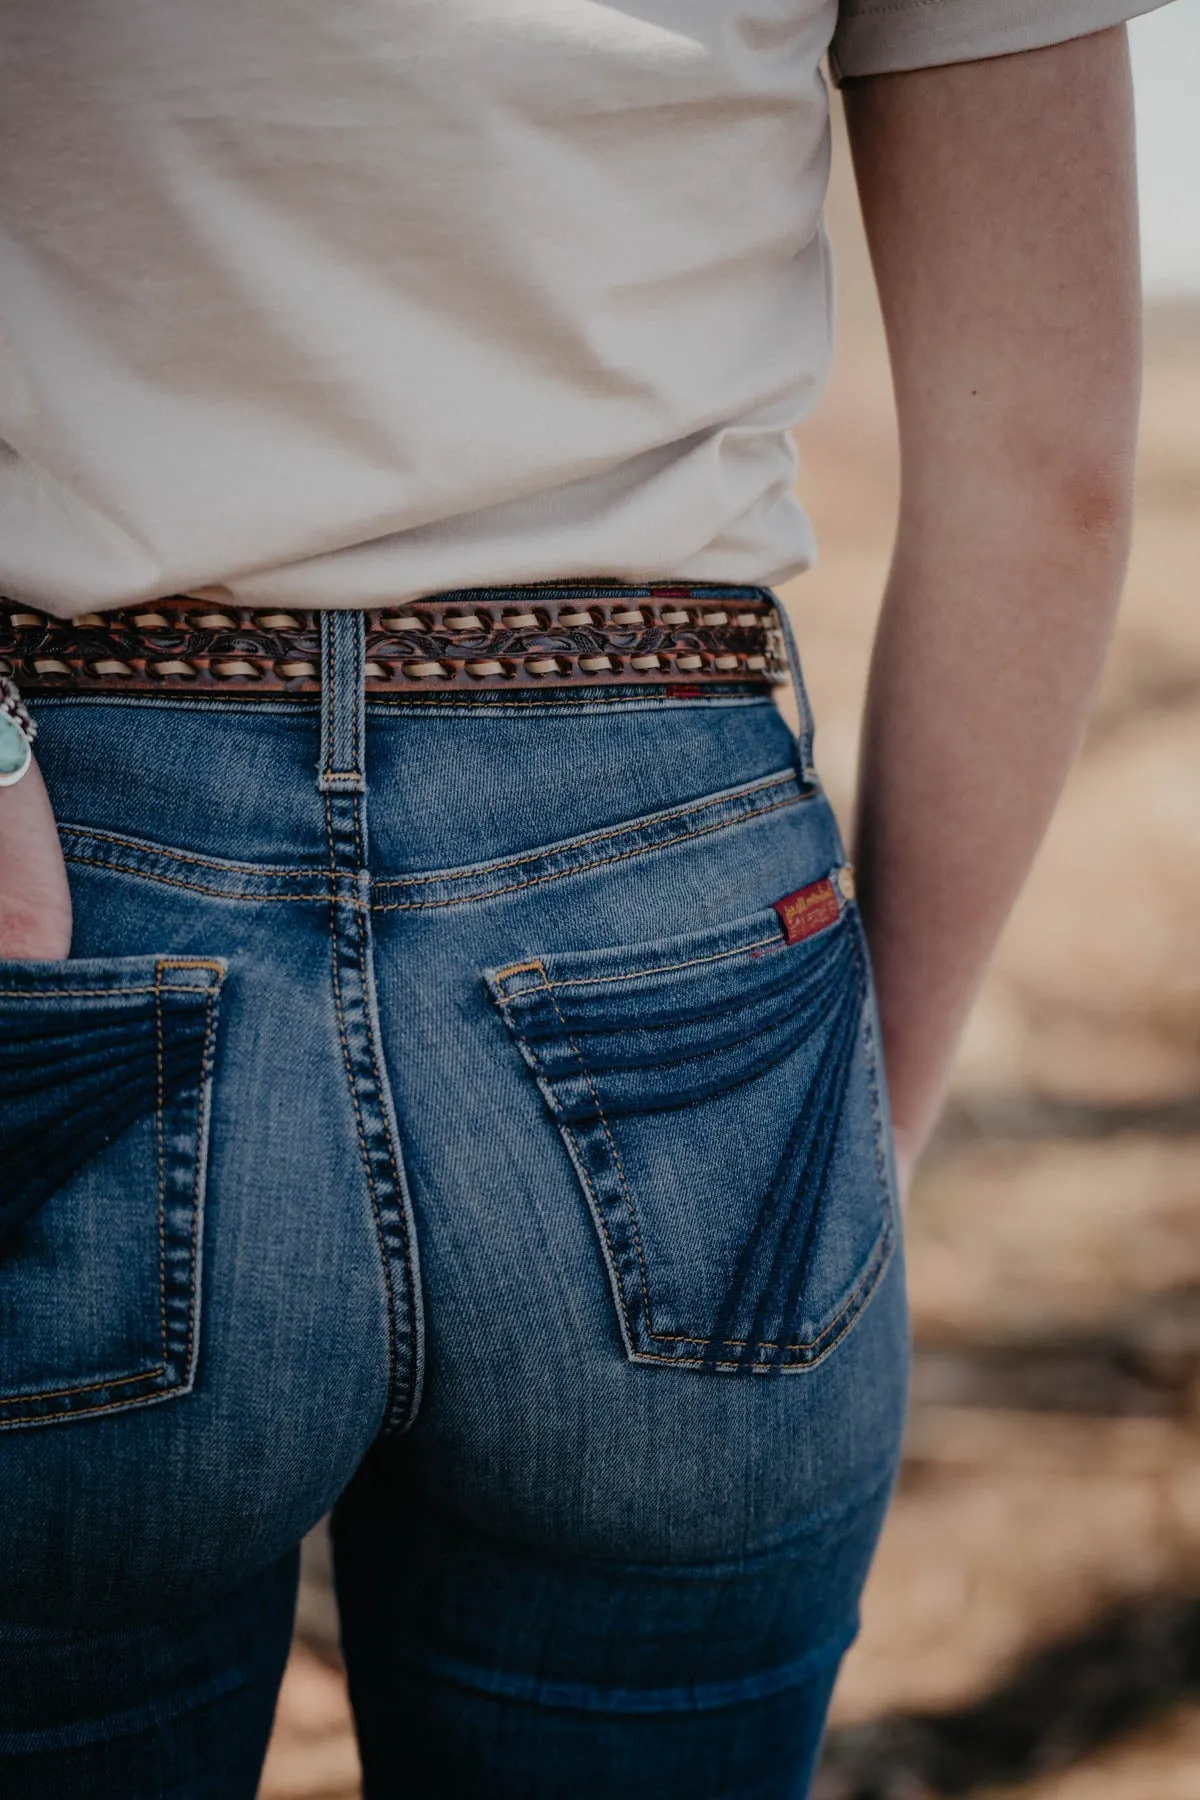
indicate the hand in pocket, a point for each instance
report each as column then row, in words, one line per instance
column 35, row 901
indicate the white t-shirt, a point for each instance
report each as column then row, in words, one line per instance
column 333, row 302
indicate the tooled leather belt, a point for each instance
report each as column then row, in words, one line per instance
column 577, row 635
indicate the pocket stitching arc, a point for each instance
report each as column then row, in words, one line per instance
column 14, row 1408
column 802, row 1354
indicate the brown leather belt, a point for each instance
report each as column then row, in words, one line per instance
column 565, row 635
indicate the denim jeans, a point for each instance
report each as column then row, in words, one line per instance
column 437, row 1122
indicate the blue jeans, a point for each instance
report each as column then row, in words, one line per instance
column 438, row 1123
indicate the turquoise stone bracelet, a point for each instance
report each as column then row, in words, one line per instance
column 17, row 732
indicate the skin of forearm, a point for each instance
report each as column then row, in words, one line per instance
column 968, row 738
column 999, row 202
column 35, row 901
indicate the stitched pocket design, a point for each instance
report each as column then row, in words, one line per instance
column 719, row 1097
column 105, row 1075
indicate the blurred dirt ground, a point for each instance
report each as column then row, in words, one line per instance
column 1032, row 1626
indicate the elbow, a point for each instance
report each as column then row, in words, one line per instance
column 1093, row 499
column 1076, row 494
column 1039, row 488
column 1076, row 465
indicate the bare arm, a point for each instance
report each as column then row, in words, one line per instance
column 1000, row 207
column 35, row 902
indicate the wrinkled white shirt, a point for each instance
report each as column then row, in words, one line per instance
column 332, row 304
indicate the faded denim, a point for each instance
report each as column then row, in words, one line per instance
column 434, row 1122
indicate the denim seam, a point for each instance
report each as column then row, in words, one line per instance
column 459, row 699
column 68, row 1414
column 54, row 1740
column 732, row 796
column 91, row 1387
column 875, row 1265
column 358, row 708
column 380, row 1076
column 725, row 1010
column 92, row 993
column 436, row 877
column 632, row 1210
column 854, row 1306
column 192, row 887
column 645, row 698
column 188, row 856
column 141, row 1377
column 873, row 1053
column 389, row 1286
column 515, row 887
column 190, row 1345
column 347, row 1060
column 325, row 747
column 162, row 1183
column 695, row 962
column 573, row 1696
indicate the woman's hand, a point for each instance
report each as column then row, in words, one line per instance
column 35, row 901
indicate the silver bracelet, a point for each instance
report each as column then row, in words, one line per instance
column 17, row 732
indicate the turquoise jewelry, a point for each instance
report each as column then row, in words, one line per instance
column 17, row 732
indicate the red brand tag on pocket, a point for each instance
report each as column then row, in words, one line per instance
column 808, row 910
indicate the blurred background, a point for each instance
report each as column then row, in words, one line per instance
column 1032, row 1627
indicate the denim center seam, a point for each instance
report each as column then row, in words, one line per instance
column 335, row 934
column 341, row 789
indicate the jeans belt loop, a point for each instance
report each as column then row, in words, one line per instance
column 804, row 745
column 343, row 703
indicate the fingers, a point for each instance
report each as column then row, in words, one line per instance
column 35, row 900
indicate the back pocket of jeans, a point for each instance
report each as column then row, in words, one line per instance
column 719, row 1095
column 105, row 1077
